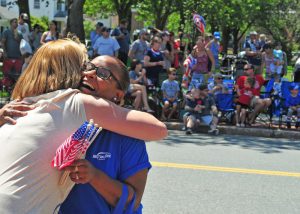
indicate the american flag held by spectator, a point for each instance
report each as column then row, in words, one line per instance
column 75, row 147
column 199, row 22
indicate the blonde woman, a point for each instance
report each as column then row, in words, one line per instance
column 27, row 183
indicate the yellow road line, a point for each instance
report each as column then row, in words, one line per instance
column 225, row 169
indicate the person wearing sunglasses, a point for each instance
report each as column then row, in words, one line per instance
column 217, row 86
column 30, row 144
column 257, row 103
column 170, row 89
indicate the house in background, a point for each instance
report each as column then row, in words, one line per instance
column 53, row 9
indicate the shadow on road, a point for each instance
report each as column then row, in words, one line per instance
column 264, row 145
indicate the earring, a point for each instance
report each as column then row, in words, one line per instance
column 115, row 99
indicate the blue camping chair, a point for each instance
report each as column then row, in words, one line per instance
column 226, row 106
column 285, row 91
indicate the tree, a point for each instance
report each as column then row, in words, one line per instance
column 75, row 18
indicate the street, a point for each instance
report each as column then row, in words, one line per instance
column 222, row 174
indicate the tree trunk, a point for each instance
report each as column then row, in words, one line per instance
column 235, row 33
column 75, row 18
column 24, row 8
column 225, row 39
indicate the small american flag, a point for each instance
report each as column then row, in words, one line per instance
column 199, row 22
column 75, row 146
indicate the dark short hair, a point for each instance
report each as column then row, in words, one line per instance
column 202, row 87
column 134, row 63
column 99, row 24
column 105, row 29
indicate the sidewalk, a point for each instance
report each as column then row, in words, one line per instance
column 258, row 131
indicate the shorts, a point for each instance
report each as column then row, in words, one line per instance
column 244, row 106
column 206, row 119
column 173, row 103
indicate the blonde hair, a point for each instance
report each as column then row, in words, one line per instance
column 56, row 65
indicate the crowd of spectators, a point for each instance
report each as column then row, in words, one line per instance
column 187, row 75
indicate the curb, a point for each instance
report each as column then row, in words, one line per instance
column 250, row 132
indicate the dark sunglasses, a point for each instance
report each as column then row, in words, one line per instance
column 220, row 78
column 246, row 69
column 102, row 72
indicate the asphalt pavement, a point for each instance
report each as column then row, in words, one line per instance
column 223, row 174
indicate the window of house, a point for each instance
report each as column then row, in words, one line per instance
column 36, row 4
column 3, row 3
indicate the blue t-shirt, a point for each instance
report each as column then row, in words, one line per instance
column 170, row 88
column 116, row 155
column 106, row 46
column 292, row 101
column 214, row 48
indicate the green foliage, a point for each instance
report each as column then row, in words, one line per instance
column 173, row 22
column 89, row 26
column 96, row 7
column 43, row 22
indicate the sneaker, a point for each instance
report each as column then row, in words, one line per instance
column 288, row 125
column 188, row 131
column 297, row 125
column 183, row 128
column 242, row 124
column 238, row 125
column 213, row 131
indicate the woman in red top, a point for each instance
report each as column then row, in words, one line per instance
column 244, row 99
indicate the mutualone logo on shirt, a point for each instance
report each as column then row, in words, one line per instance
column 102, row 156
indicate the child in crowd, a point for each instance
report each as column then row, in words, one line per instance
column 137, row 87
column 137, row 73
column 201, row 108
column 244, row 98
column 170, row 89
column 278, row 59
column 293, row 104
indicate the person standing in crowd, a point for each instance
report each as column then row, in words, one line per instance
column 253, row 52
column 23, row 26
column 52, row 34
column 170, row 89
column 106, row 45
column 200, row 71
column 214, row 46
column 154, row 61
column 296, row 72
column 139, row 48
column 244, row 98
column 35, row 37
column 268, row 61
column 12, row 58
column 262, row 41
column 122, row 35
column 176, row 50
column 167, row 50
column 95, row 34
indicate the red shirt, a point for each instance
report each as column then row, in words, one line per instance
column 259, row 82
column 246, row 96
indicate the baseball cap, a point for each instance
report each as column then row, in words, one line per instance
column 24, row 16
column 143, row 31
column 294, row 86
column 165, row 33
column 217, row 35
column 99, row 24
column 253, row 33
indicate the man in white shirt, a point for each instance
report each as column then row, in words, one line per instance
column 23, row 26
